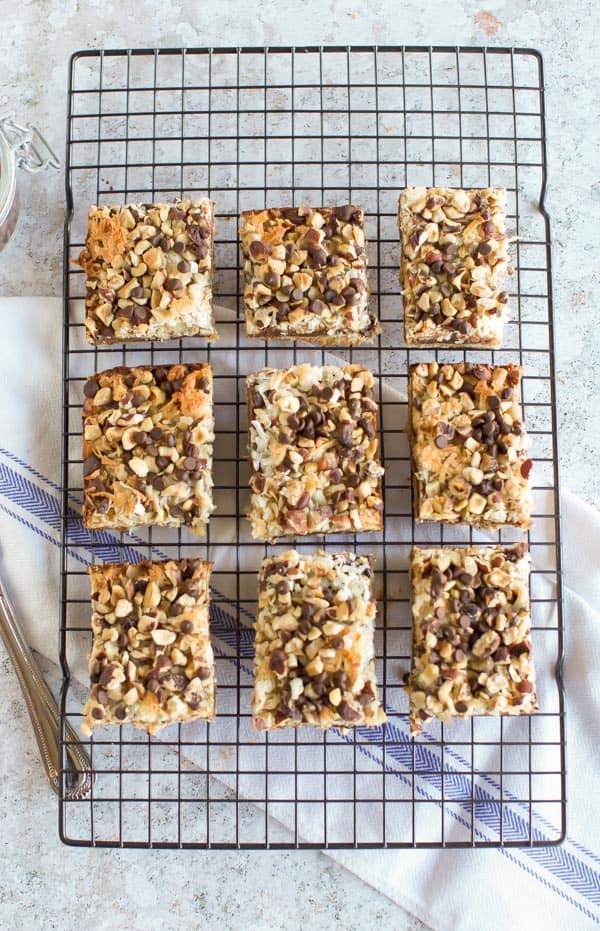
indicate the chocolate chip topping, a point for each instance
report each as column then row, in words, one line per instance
column 314, row 469
column 137, row 442
column 452, row 262
column 314, row 647
column 314, row 266
column 147, row 666
column 130, row 257
column 471, row 628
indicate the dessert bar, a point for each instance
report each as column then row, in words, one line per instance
column 454, row 257
column 305, row 273
column 468, row 445
column 471, row 633
column 314, row 451
column 151, row 662
column 314, row 651
column 149, row 270
column 147, row 447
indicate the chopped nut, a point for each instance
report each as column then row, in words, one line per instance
column 468, row 445
column 147, row 449
column 306, row 275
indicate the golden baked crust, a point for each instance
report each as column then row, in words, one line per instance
column 151, row 662
column 469, row 445
column 149, row 271
column 471, row 633
column 314, row 651
column 305, row 272
column 148, row 437
column 314, row 451
column 454, row 256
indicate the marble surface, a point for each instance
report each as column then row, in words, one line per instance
column 272, row 890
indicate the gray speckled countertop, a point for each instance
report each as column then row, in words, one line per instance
column 272, row 890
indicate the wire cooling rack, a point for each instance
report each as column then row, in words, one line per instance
column 254, row 127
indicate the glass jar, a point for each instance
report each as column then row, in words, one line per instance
column 20, row 147
column 9, row 195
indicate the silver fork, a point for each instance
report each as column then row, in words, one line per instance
column 43, row 711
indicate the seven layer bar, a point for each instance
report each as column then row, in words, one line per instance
column 471, row 634
column 314, row 651
column 149, row 271
column 454, row 256
column 468, row 445
column 314, row 451
column 305, row 275
column 147, row 447
column 151, row 662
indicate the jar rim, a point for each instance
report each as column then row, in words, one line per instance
column 8, row 178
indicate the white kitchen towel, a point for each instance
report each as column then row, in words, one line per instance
column 554, row 886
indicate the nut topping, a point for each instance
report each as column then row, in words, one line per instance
column 471, row 633
column 306, row 275
column 314, row 451
column 454, row 255
column 147, row 449
column 144, row 671
column 468, row 445
column 149, row 271
column 314, row 651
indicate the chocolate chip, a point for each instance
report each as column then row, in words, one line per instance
column 316, row 307
column 271, row 279
column 461, row 707
column 91, row 388
column 297, row 294
column 186, row 627
column 179, row 247
column 340, row 679
column 98, row 713
column 344, row 434
column 257, row 248
column 347, row 712
column 326, row 393
column 106, row 674
column 345, row 213
column 524, row 687
column 90, row 465
column 173, row 284
column 319, row 257
column 277, row 662
column 489, row 228
column 283, row 587
column 485, row 248
column 184, row 267
column 203, row 673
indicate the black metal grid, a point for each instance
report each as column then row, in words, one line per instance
column 255, row 127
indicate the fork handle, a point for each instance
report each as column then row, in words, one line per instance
column 43, row 710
